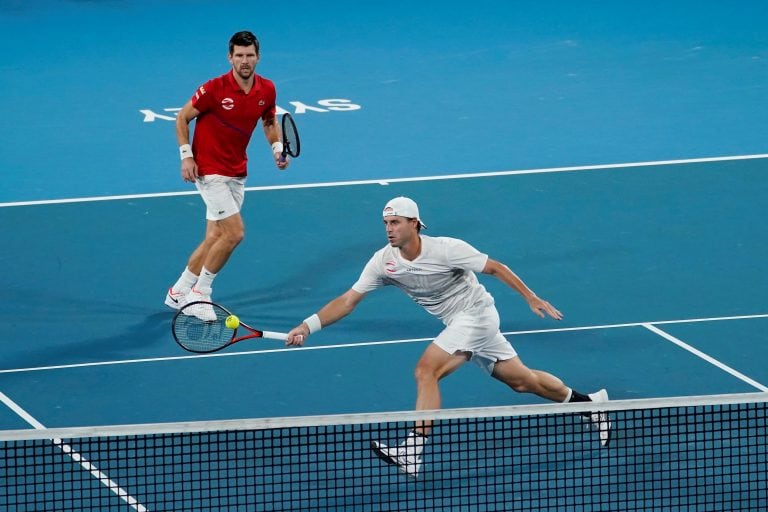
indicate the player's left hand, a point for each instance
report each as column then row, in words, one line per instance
column 281, row 164
column 542, row 307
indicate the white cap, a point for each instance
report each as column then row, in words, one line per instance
column 403, row 207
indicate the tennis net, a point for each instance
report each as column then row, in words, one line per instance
column 691, row 453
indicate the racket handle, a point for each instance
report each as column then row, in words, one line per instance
column 274, row 335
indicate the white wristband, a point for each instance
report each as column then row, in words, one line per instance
column 277, row 147
column 185, row 151
column 313, row 322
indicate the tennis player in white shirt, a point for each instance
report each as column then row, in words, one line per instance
column 439, row 274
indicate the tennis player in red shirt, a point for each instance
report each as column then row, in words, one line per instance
column 227, row 110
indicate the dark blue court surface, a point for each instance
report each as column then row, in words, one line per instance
column 613, row 155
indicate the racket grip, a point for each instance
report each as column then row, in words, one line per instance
column 274, row 335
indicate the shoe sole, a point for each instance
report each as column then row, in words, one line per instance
column 383, row 456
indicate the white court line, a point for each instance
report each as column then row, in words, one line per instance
column 705, row 357
column 369, row 344
column 75, row 456
column 387, row 181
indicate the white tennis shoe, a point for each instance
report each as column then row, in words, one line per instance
column 204, row 312
column 398, row 456
column 600, row 420
column 176, row 300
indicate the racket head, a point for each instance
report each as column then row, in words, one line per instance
column 200, row 327
column 291, row 141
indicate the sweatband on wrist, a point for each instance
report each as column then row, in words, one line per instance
column 185, row 151
column 313, row 322
column 277, row 147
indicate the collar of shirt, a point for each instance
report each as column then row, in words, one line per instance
column 236, row 86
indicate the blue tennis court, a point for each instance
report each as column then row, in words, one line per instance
column 612, row 155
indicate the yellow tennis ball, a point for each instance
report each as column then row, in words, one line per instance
column 232, row 322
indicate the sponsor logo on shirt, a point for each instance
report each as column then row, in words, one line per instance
column 391, row 267
column 227, row 103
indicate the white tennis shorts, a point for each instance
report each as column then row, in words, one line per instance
column 477, row 332
column 223, row 195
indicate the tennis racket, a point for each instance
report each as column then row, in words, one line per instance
column 291, row 142
column 201, row 327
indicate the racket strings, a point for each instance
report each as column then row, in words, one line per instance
column 290, row 136
column 202, row 335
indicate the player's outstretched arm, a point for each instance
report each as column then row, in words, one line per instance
column 332, row 312
column 505, row 275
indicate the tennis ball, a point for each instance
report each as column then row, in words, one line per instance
column 232, row 322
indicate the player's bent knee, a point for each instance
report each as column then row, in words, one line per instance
column 424, row 373
column 232, row 237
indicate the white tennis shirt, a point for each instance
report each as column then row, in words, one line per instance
column 441, row 279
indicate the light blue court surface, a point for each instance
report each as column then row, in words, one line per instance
column 657, row 261
column 615, row 249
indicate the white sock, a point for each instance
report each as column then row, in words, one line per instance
column 186, row 281
column 568, row 397
column 205, row 281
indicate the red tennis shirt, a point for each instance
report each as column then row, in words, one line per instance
column 226, row 122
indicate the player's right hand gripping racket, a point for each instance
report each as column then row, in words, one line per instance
column 201, row 327
column 291, row 142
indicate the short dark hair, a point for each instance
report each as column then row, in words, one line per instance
column 244, row 38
